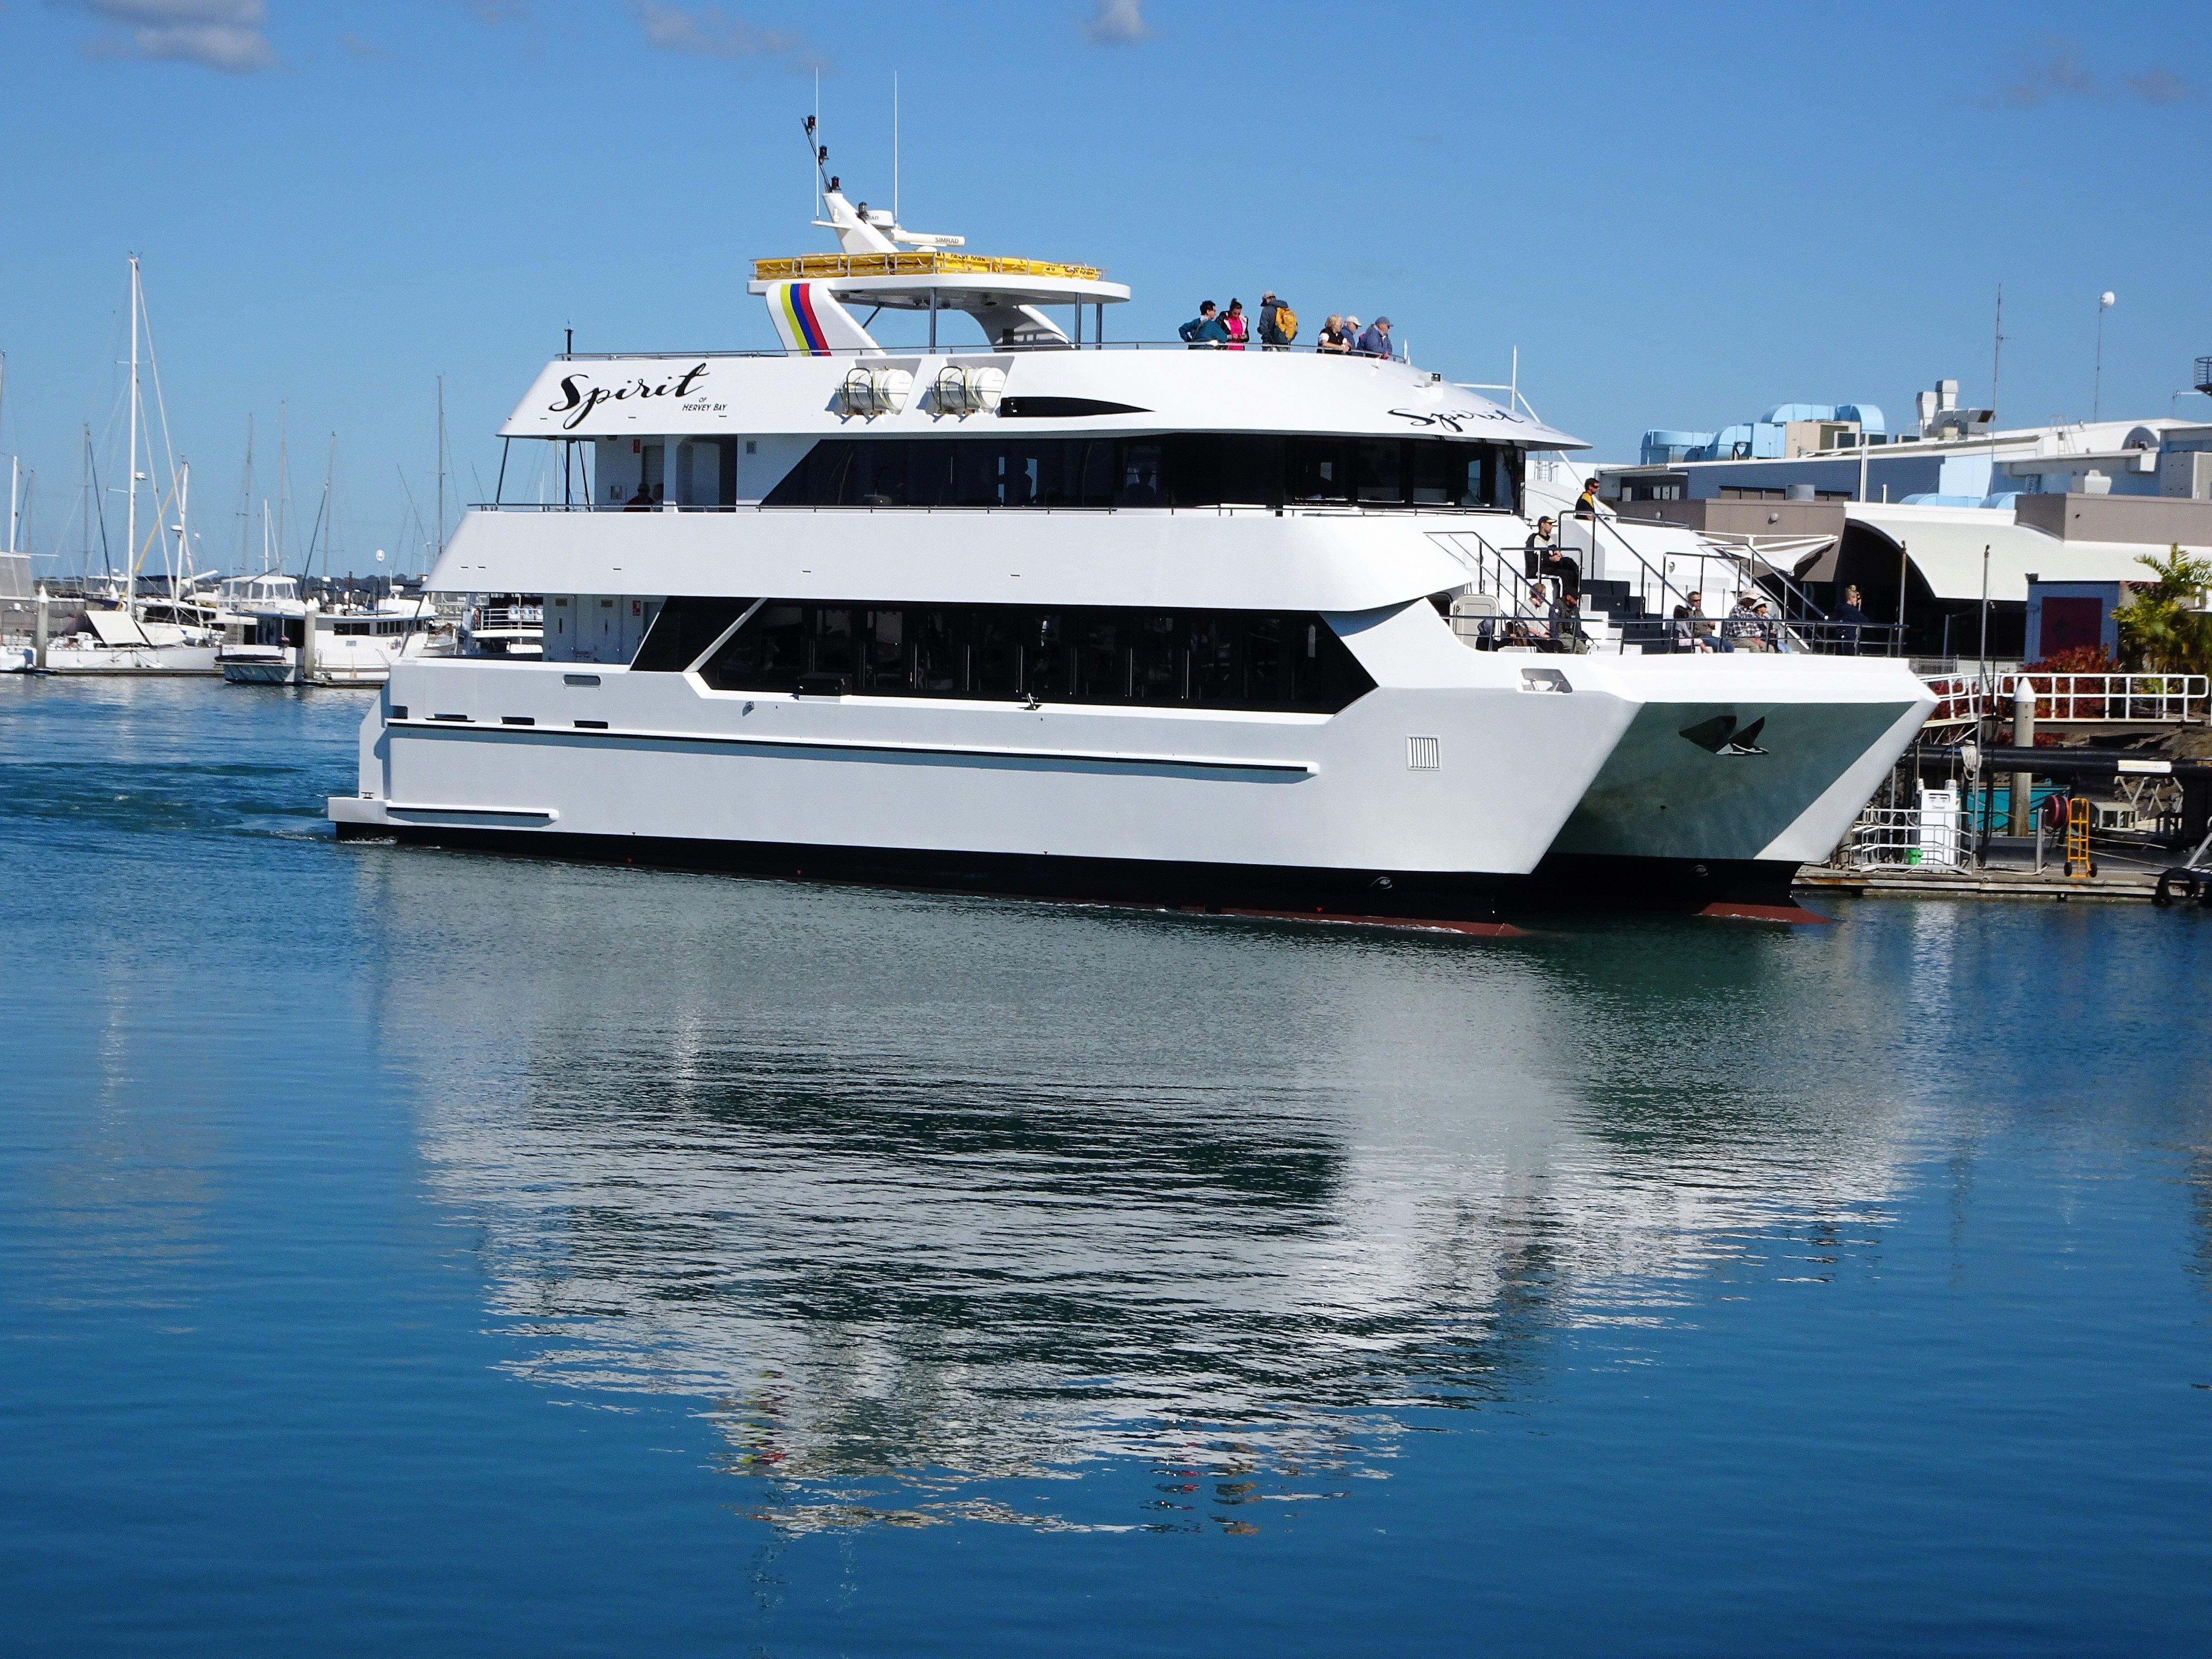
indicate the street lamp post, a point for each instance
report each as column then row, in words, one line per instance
column 2097, row 397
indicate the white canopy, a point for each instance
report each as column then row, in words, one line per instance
column 1945, row 544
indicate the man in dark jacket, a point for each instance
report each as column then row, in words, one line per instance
column 1272, row 336
column 1205, row 330
column 1534, row 548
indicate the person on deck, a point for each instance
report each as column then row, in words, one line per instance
column 1702, row 637
column 1560, row 569
column 1334, row 336
column 1567, row 621
column 1537, row 547
column 1279, row 324
column 1233, row 324
column 1205, row 331
column 1586, row 503
column 1850, row 616
column 1375, row 339
column 1741, row 629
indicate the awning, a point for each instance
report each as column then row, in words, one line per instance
column 1945, row 546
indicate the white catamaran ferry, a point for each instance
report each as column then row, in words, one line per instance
column 1035, row 614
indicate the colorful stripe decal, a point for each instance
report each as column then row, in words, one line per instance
column 815, row 339
column 804, row 330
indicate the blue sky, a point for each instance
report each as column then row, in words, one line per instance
column 1680, row 216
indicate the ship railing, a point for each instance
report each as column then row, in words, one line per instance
column 1222, row 509
column 1663, row 635
column 1934, row 836
column 973, row 347
column 2072, row 699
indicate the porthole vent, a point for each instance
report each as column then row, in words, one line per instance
column 1425, row 754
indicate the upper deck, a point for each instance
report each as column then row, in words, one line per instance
column 830, row 377
column 1121, row 386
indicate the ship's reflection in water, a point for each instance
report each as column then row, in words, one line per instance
column 914, row 1194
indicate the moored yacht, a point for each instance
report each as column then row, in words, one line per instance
column 1045, row 617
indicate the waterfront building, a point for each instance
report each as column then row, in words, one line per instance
column 1906, row 517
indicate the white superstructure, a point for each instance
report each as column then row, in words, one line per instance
column 1040, row 616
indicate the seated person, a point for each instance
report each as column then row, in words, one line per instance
column 1741, row 629
column 1533, row 549
column 1560, row 569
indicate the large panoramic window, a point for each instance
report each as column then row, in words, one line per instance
column 1287, row 660
column 1174, row 469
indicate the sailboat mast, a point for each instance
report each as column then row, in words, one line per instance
column 441, row 466
column 283, row 476
column 130, row 513
column 13, row 460
column 245, row 504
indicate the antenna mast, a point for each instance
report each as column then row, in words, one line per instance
column 441, row 466
column 895, row 153
column 1997, row 356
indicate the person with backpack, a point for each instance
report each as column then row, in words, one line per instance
column 1279, row 324
column 1204, row 330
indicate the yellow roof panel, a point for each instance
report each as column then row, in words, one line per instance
column 810, row 266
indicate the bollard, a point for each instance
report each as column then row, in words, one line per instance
column 2023, row 737
column 39, row 637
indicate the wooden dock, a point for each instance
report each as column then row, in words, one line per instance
column 2132, row 885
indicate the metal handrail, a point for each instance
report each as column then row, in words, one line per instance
column 2084, row 699
column 1307, row 509
column 971, row 349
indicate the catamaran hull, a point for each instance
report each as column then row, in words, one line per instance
column 1732, row 777
column 1413, row 803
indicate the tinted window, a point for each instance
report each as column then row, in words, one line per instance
column 681, row 632
column 1167, row 469
column 1082, row 654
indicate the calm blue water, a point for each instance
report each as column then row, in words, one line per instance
column 409, row 1251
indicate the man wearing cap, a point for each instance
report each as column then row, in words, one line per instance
column 1272, row 336
column 1374, row 340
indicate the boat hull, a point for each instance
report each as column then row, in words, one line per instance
column 198, row 660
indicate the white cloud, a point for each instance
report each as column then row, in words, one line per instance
column 2057, row 71
column 228, row 35
column 1117, row 23
column 711, row 31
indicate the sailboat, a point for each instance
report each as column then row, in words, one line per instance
column 135, row 637
column 17, row 598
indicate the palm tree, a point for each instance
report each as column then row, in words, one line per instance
column 2164, row 628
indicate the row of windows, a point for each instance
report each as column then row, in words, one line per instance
column 1285, row 660
column 1176, row 469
